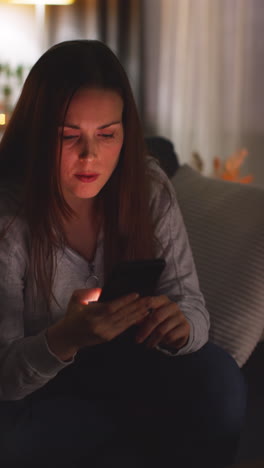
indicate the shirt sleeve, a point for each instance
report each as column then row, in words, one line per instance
column 179, row 279
column 26, row 362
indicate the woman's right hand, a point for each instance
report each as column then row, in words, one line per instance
column 88, row 323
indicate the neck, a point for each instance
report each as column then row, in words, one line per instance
column 84, row 210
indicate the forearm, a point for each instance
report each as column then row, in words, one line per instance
column 58, row 343
column 197, row 316
column 26, row 365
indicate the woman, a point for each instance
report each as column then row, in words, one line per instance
column 87, row 383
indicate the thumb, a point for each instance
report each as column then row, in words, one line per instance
column 84, row 296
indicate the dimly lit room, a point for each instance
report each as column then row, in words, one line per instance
column 131, row 233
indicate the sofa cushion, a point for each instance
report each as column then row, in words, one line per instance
column 225, row 224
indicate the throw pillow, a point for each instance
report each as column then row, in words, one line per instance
column 225, row 224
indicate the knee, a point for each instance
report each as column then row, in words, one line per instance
column 223, row 392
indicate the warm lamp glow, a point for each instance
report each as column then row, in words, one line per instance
column 41, row 2
column 2, row 119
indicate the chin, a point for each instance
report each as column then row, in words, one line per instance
column 86, row 194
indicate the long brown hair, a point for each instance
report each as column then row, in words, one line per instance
column 28, row 156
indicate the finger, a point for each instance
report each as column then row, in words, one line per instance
column 116, row 323
column 154, row 320
column 84, row 296
column 158, row 301
column 178, row 336
column 176, row 344
column 132, row 313
column 131, row 320
column 127, row 304
column 123, row 301
column 161, row 331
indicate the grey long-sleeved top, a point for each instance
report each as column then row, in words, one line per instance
column 26, row 362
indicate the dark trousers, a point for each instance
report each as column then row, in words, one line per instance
column 120, row 405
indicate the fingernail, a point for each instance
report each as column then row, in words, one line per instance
column 134, row 296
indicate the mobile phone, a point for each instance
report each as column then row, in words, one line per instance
column 140, row 276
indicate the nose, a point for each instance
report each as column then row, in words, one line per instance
column 87, row 150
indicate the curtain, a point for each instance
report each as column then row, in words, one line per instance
column 203, row 81
column 28, row 30
column 115, row 22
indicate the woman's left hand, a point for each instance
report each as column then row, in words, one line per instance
column 165, row 325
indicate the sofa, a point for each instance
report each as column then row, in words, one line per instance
column 225, row 225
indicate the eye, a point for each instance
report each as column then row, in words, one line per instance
column 69, row 137
column 106, row 135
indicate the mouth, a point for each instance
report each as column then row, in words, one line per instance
column 86, row 178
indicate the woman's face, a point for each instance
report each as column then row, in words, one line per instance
column 92, row 139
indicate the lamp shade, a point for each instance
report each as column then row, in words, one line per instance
column 38, row 2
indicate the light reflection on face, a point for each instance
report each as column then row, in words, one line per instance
column 92, row 139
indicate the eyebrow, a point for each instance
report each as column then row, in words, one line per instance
column 109, row 125
column 115, row 122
